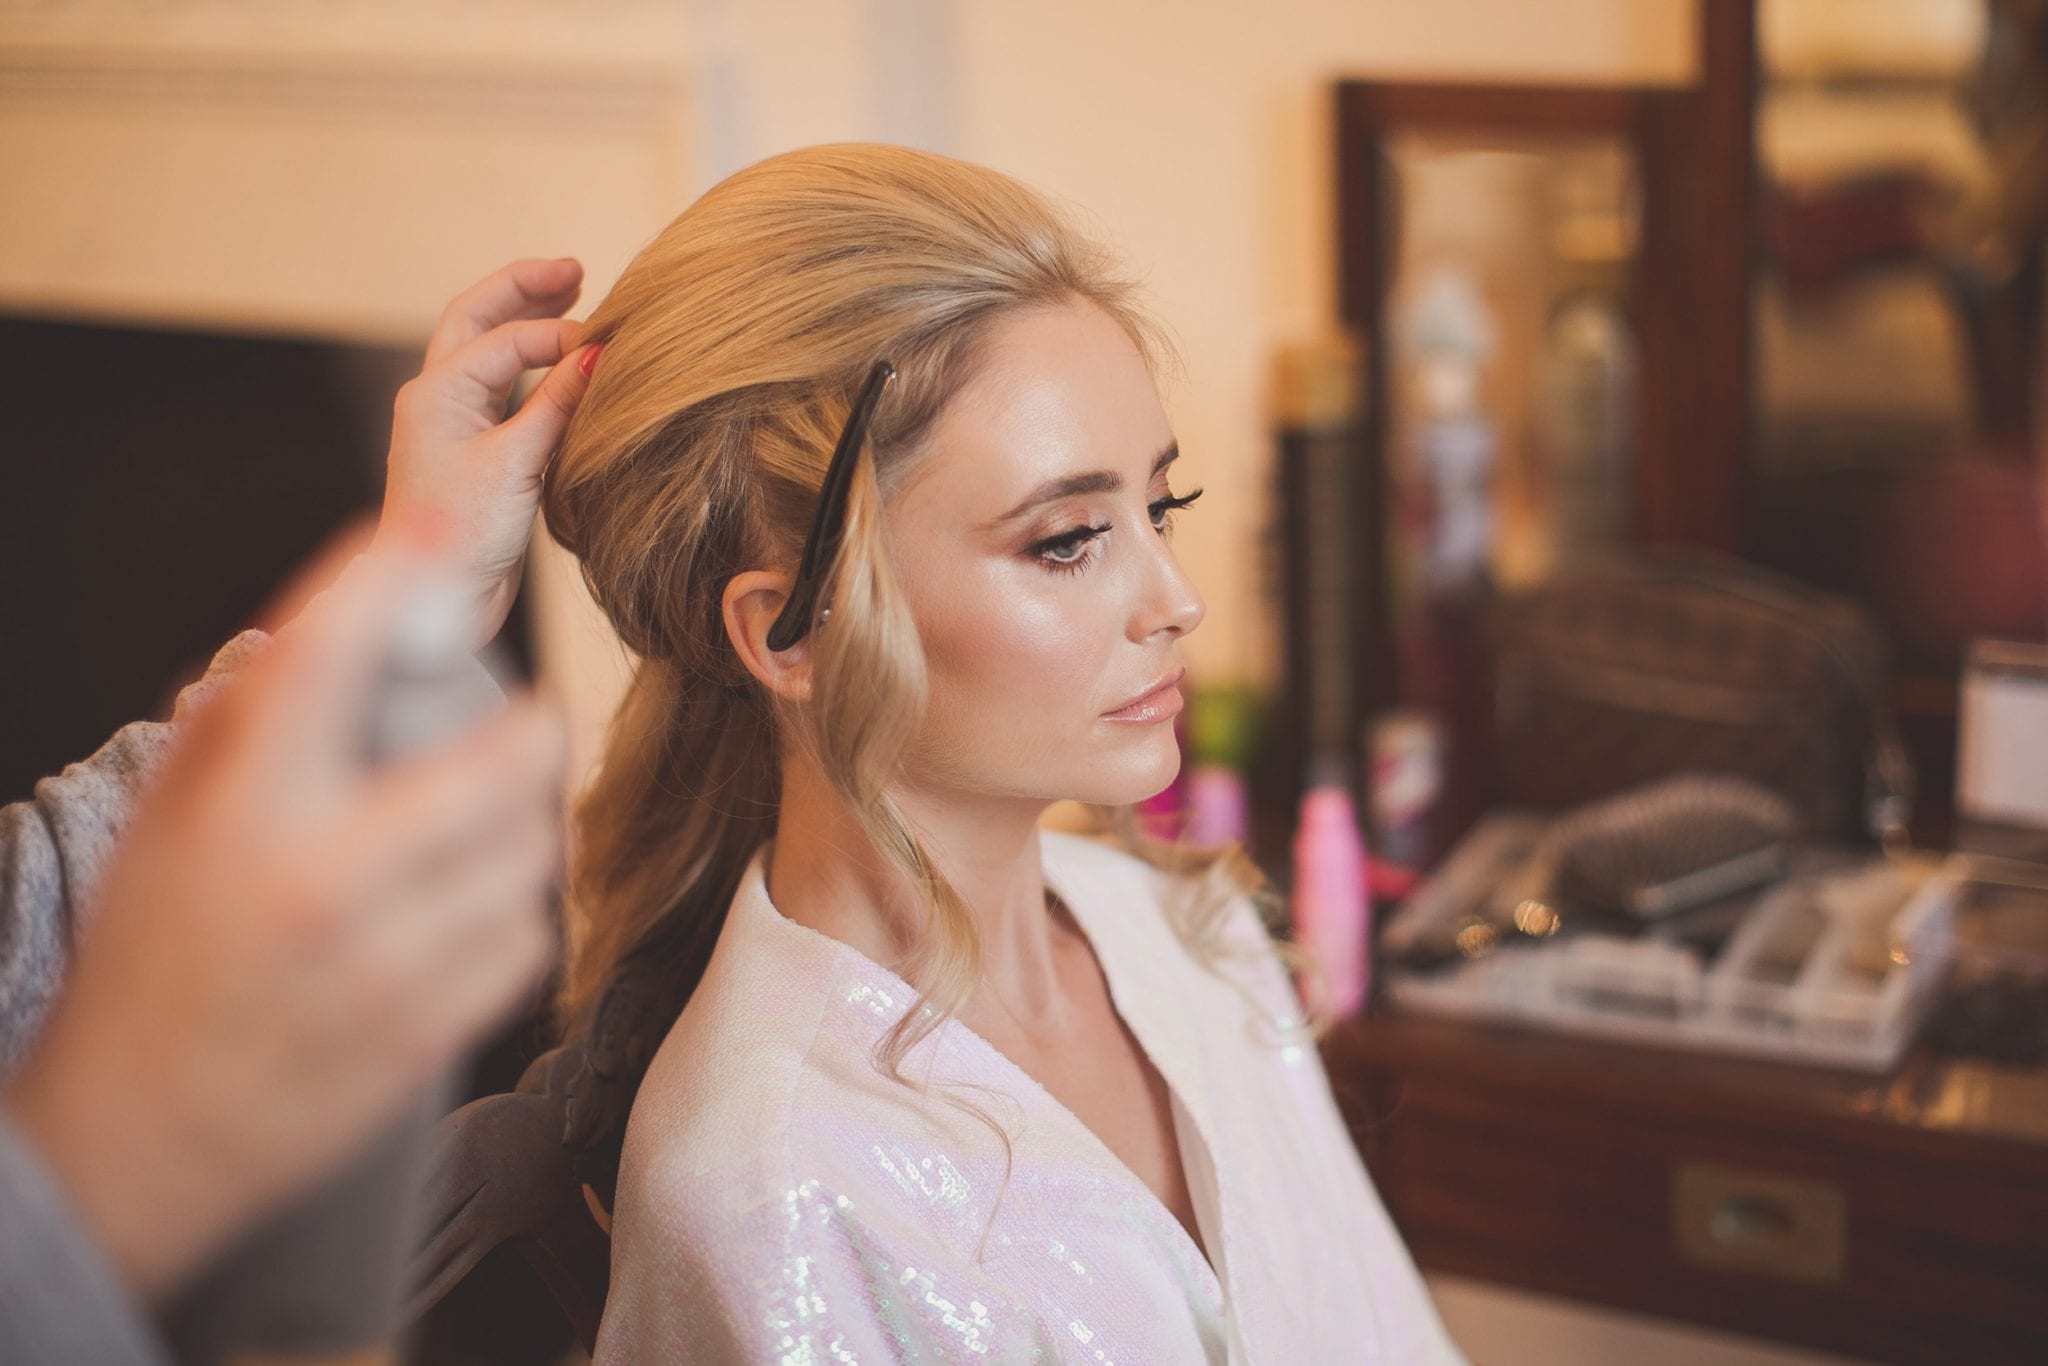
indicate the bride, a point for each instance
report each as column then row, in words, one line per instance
column 874, row 477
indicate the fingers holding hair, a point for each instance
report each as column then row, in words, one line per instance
column 530, row 288
column 493, row 362
column 531, row 435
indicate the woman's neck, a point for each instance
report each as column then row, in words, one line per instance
column 823, row 873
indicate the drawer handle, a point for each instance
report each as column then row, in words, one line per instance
column 1787, row 1227
column 1750, row 1220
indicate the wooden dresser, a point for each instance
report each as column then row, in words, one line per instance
column 1900, row 1218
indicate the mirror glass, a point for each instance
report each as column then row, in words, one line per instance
column 1901, row 190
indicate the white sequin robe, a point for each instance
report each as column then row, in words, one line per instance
column 782, row 1201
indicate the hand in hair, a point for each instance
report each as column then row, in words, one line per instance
column 289, row 943
column 455, row 455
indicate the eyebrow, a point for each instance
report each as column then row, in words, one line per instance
column 1094, row 481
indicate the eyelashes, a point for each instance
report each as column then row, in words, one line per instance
column 1162, row 509
column 1070, row 552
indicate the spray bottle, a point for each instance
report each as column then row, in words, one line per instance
column 1332, row 910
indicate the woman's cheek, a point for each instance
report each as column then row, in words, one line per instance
column 1012, row 689
column 1052, row 661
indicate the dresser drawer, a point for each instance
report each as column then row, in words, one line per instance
column 1856, row 1239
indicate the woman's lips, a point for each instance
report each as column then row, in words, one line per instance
column 1162, row 703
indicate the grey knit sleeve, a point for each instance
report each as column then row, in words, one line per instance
column 60, row 1299
column 54, row 849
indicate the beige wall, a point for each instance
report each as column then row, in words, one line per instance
column 328, row 170
column 1195, row 135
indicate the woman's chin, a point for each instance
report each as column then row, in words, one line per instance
column 1137, row 782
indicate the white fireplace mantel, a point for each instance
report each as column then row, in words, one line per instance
column 329, row 169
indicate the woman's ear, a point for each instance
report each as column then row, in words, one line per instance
column 752, row 602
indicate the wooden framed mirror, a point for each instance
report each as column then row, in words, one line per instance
column 1563, row 254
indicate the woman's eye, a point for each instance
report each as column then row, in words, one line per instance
column 1069, row 550
column 1164, row 508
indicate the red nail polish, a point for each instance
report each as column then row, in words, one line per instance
column 589, row 361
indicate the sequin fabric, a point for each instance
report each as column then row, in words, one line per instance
column 782, row 1201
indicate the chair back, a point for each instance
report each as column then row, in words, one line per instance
column 502, row 1175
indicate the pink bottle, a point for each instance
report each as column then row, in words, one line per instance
column 1218, row 812
column 1164, row 814
column 1332, row 912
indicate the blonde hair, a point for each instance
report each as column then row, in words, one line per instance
column 733, row 346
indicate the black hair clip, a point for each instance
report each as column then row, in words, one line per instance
column 828, row 526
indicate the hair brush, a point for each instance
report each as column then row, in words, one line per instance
column 1672, row 845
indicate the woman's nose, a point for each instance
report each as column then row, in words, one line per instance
column 1170, row 600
